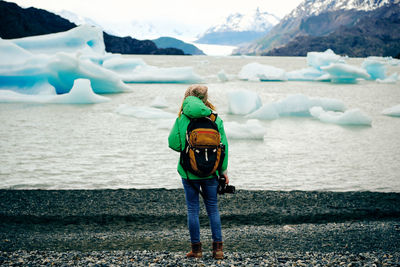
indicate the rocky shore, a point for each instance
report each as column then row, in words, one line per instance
column 148, row 227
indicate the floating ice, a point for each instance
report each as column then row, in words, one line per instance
column 391, row 79
column 242, row 102
column 322, row 59
column 307, row 74
column 159, row 102
column 120, row 64
column 144, row 112
column 376, row 69
column 349, row 117
column 84, row 38
column 81, row 93
column 252, row 129
column 222, row 76
column 393, row 111
column 152, row 74
column 258, row 72
column 295, row 105
column 343, row 73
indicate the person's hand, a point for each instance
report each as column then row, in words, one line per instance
column 226, row 178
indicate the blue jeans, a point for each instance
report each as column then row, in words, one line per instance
column 209, row 187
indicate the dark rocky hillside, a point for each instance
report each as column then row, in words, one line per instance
column 377, row 34
column 17, row 22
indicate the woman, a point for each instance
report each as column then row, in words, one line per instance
column 196, row 105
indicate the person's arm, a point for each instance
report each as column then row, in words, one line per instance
column 174, row 139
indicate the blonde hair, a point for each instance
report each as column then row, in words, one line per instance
column 200, row 91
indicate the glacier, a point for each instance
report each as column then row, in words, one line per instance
column 392, row 111
column 376, row 69
column 318, row 60
column 242, row 102
column 344, row 73
column 259, row 72
column 349, row 117
column 295, row 105
column 252, row 129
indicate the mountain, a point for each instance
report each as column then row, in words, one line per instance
column 314, row 18
column 167, row 42
column 239, row 28
column 377, row 33
column 17, row 22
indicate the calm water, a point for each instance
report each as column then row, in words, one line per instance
column 92, row 146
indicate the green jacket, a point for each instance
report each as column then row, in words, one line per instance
column 193, row 107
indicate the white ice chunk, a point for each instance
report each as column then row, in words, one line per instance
column 83, row 38
column 343, row 73
column 393, row 111
column 266, row 112
column 295, row 105
column 349, row 117
column 256, row 71
column 376, row 69
column 159, row 102
column 321, row 59
column 252, row 129
column 152, row 74
column 306, row 74
column 121, row 64
column 391, row 79
column 12, row 54
column 222, row 76
column 81, row 93
column 144, row 112
column 242, row 102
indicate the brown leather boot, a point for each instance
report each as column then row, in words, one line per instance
column 196, row 251
column 217, row 250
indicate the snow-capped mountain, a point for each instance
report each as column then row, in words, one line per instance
column 239, row 28
column 314, row 18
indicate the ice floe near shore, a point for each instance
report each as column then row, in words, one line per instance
column 393, row 111
column 349, row 117
column 252, row 129
column 242, row 102
column 143, row 112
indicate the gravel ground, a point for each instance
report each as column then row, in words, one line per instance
column 148, row 227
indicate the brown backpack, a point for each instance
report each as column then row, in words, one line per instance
column 204, row 153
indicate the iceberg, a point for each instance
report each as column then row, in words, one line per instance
column 295, row 105
column 119, row 64
column 343, row 73
column 252, row 129
column 318, row 60
column 258, row 72
column 391, row 79
column 376, row 69
column 242, row 102
column 222, row 76
column 81, row 93
column 152, row 74
column 159, row 102
column 143, row 112
column 84, row 38
column 349, row 117
column 307, row 74
column 393, row 111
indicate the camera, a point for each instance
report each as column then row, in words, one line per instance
column 224, row 188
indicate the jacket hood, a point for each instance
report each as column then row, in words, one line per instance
column 193, row 107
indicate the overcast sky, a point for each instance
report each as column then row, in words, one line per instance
column 199, row 12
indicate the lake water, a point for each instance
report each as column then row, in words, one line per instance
column 92, row 146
